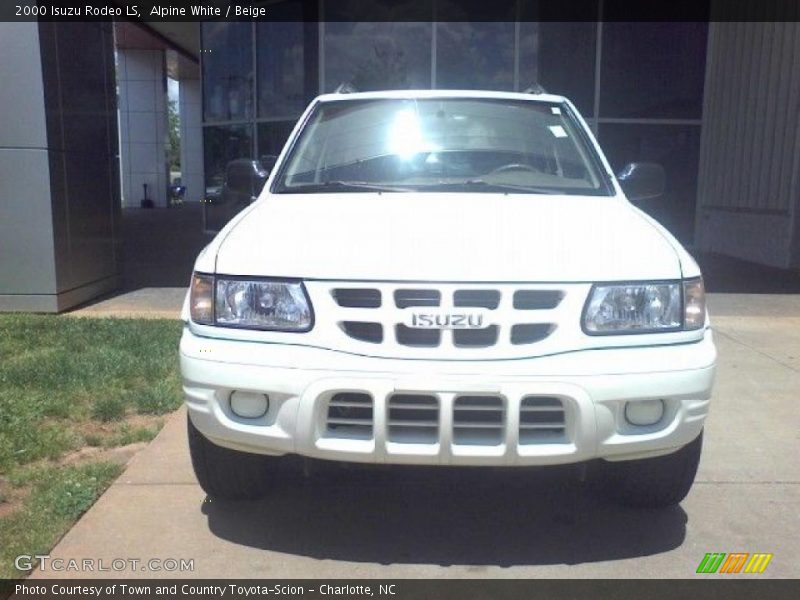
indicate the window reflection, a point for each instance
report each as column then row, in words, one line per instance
column 653, row 70
column 271, row 138
column 227, row 55
column 563, row 55
column 221, row 145
column 281, row 73
column 475, row 56
column 674, row 147
column 378, row 56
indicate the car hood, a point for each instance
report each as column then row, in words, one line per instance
column 447, row 237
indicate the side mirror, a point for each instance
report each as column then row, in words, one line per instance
column 260, row 177
column 268, row 162
column 641, row 181
column 245, row 177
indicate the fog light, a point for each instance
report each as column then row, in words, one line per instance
column 249, row 404
column 644, row 412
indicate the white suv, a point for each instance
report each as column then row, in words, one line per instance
column 448, row 278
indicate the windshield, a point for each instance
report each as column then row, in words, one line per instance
column 442, row 144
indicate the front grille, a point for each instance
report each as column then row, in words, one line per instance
column 413, row 419
column 421, row 338
column 357, row 297
column 350, row 416
column 477, row 298
column 537, row 299
column 478, row 420
column 364, row 331
column 529, row 333
column 456, row 317
column 475, row 338
column 542, row 420
column 405, row 297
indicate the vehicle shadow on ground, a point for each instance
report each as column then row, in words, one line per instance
column 446, row 517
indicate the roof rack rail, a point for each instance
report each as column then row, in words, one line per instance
column 345, row 88
column 535, row 88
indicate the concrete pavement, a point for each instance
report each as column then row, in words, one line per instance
column 423, row 523
column 144, row 303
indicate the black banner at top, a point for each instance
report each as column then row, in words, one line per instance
column 400, row 10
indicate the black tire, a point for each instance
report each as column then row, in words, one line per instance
column 654, row 482
column 227, row 474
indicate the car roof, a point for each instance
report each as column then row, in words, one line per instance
column 411, row 94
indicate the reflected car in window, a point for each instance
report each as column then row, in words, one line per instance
column 243, row 181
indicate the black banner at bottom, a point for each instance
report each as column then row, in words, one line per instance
column 402, row 589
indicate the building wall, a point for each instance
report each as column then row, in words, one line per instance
column 749, row 190
column 27, row 258
column 142, row 125
column 191, row 117
column 59, row 227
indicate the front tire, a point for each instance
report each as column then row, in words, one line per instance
column 657, row 482
column 227, row 474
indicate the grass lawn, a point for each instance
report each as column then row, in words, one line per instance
column 67, row 384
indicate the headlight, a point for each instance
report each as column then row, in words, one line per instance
column 262, row 304
column 249, row 303
column 645, row 307
column 201, row 299
column 694, row 304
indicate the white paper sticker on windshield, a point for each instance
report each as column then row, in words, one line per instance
column 558, row 131
column 555, row 110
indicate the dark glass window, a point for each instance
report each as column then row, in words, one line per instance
column 221, row 145
column 271, row 138
column 281, row 68
column 653, row 70
column 227, row 58
column 677, row 149
column 561, row 58
column 475, row 56
column 378, row 56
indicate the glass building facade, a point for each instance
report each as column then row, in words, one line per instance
column 639, row 85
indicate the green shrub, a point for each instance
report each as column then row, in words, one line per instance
column 131, row 435
column 159, row 398
column 108, row 408
column 93, row 439
column 59, row 496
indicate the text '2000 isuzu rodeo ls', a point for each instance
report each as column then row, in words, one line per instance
column 448, row 278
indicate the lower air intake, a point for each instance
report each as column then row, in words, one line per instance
column 478, row 420
column 350, row 416
column 542, row 420
column 413, row 419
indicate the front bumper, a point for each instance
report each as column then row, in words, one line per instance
column 592, row 386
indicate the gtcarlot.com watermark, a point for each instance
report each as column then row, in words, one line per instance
column 44, row 562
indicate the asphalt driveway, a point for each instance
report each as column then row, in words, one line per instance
column 426, row 523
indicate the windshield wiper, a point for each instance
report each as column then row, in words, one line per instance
column 488, row 187
column 342, row 186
